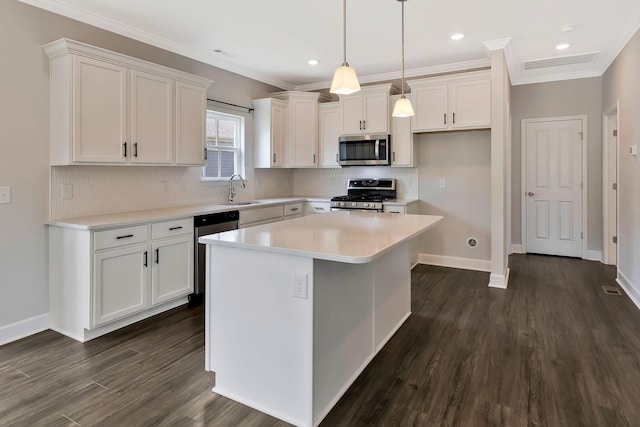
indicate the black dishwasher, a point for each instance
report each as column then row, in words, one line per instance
column 203, row 226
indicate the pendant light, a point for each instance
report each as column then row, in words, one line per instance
column 403, row 107
column 345, row 81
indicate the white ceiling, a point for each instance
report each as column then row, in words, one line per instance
column 272, row 40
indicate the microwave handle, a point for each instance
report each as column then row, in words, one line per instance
column 377, row 149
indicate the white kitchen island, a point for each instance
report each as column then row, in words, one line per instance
column 295, row 310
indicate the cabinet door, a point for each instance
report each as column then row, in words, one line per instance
column 278, row 135
column 304, row 132
column 329, row 132
column 430, row 105
column 191, row 121
column 119, row 283
column 376, row 112
column 99, row 112
column 151, row 118
column 351, row 114
column 172, row 269
column 470, row 104
column 401, row 141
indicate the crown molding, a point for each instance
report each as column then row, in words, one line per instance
column 414, row 72
column 60, row 7
column 517, row 80
column 497, row 44
column 604, row 61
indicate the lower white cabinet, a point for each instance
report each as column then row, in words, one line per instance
column 259, row 216
column 103, row 280
column 317, row 208
column 293, row 210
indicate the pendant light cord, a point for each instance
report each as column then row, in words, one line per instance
column 344, row 31
column 402, row 1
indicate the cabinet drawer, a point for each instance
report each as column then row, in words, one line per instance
column 176, row 227
column 395, row 209
column 318, row 207
column 293, row 209
column 120, row 237
column 248, row 216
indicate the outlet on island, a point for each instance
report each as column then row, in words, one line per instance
column 300, row 288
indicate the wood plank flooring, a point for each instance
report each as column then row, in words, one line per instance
column 552, row 350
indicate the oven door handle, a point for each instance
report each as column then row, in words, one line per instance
column 377, row 150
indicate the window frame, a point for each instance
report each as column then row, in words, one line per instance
column 239, row 149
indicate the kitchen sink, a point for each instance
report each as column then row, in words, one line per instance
column 241, row 203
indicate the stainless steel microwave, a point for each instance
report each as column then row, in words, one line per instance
column 364, row 150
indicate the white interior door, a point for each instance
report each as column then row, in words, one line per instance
column 553, row 189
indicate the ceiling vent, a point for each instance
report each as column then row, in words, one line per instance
column 559, row 60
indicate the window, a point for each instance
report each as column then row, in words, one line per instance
column 225, row 134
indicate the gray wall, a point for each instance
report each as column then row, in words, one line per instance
column 621, row 82
column 464, row 160
column 564, row 98
column 24, row 139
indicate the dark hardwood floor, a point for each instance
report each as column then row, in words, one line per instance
column 552, row 350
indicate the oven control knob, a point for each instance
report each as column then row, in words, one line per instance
column 366, row 205
column 354, row 204
column 341, row 203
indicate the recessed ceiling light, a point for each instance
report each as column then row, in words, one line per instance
column 313, row 62
column 567, row 28
column 562, row 46
column 457, row 36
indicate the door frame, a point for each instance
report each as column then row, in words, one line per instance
column 523, row 176
column 607, row 233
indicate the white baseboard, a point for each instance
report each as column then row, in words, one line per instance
column 499, row 281
column 516, row 249
column 594, row 256
column 455, row 262
column 24, row 328
column 632, row 291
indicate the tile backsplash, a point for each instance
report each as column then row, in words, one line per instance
column 333, row 182
column 100, row 190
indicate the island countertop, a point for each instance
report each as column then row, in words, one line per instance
column 342, row 236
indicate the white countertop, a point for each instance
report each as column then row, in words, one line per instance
column 123, row 219
column 343, row 236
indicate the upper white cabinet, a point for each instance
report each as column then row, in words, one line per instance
column 402, row 151
column 461, row 101
column 286, row 130
column 191, row 122
column 271, row 148
column 366, row 112
column 108, row 108
column 328, row 134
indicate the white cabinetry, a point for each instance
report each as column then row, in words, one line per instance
column 293, row 210
column 108, row 108
column 103, row 280
column 461, row 101
column 366, row 112
column 328, row 134
column 402, row 148
column 191, row 122
column 317, row 208
column 270, row 143
column 257, row 216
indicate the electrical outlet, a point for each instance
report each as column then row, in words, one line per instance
column 5, row 195
column 442, row 183
column 66, row 191
column 300, row 287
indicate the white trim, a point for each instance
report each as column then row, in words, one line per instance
column 516, row 249
column 455, row 262
column 594, row 256
column 497, row 44
column 607, row 234
column 545, row 78
column 24, row 328
column 523, row 176
column 630, row 290
column 499, row 281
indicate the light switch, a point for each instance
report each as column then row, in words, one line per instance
column 633, row 150
column 5, row 195
column 443, row 183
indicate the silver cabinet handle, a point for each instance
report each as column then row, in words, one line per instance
column 274, row 157
column 445, row 118
column 205, row 154
column 531, row 194
column 454, row 118
column 314, row 159
column 294, row 209
column 394, row 156
column 135, row 149
column 336, row 157
column 364, row 124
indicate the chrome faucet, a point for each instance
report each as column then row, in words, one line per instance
column 232, row 191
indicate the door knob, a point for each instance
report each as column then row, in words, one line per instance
column 530, row 194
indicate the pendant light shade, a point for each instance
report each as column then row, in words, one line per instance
column 345, row 80
column 403, row 107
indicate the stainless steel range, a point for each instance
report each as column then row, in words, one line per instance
column 365, row 194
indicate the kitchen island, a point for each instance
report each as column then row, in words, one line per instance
column 296, row 310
